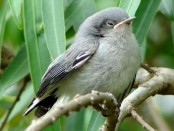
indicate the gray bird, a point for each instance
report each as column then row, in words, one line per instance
column 104, row 56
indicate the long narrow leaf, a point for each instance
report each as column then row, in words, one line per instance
column 3, row 12
column 96, row 121
column 26, row 96
column 78, row 9
column 130, row 6
column 54, row 127
column 77, row 120
column 16, row 6
column 53, row 18
column 144, row 17
column 38, row 54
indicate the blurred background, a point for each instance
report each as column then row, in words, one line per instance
column 26, row 25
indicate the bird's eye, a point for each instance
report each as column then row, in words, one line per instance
column 110, row 23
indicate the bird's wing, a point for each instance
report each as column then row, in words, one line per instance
column 58, row 69
column 63, row 66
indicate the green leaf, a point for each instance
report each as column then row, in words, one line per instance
column 66, row 3
column 24, row 100
column 56, row 126
column 102, row 4
column 17, row 69
column 3, row 14
column 77, row 120
column 18, row 108
column 172, row 31
column 88, row 114
column 96, row 121
column 6, row 101
column 16, row 7
column 166, row 7
column 53, row 18
column 143, row 48
column 37, row 51
column 144, row 17
column 77, row 11
column 130, row 6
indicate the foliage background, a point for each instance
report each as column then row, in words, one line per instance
column 34, row 32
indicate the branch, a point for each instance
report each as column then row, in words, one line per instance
column 162, row 82
column 106, row 99
column 151, row 82
column 141, row 121
column 14, row 103
column 147, row 68
column 155, row 115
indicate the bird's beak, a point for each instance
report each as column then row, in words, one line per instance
column 126, row 21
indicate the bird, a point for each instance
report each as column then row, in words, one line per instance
column 104, row 56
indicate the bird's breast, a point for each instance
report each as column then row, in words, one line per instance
column 110, row 69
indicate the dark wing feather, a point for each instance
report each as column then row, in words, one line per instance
column 52, row 76
column 58, row 70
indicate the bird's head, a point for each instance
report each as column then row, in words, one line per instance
column 104, row 22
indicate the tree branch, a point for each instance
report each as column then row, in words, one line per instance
column 162, row 82
column 147, row 68
column 155, row 115
column 106, row 99
column 141, row 121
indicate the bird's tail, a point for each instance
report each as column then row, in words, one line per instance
column 32, row 105
column 43, row 106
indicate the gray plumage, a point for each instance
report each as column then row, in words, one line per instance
column 103, row 57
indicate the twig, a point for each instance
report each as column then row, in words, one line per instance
column 93, row 98
column 14, row 103
column 146, row 67
column 155, row 115
column 141, row 121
